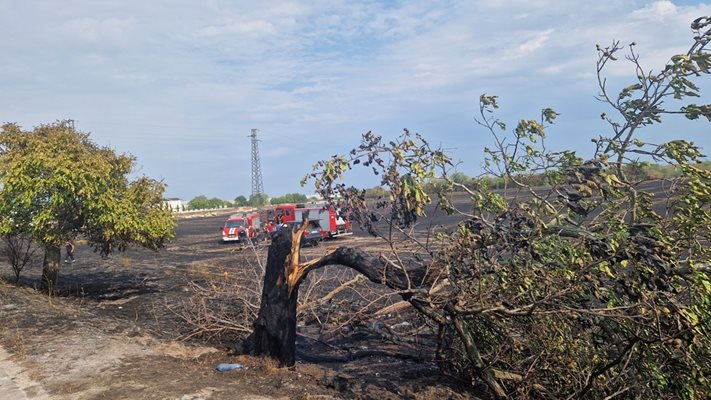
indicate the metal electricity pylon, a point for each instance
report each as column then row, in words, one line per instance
column 257, row 186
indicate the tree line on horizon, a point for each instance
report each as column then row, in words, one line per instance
column 202, row 202
column 639, row 170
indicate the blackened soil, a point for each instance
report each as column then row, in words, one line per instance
column 113, row 331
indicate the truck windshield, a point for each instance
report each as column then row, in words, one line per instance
column 233, row 224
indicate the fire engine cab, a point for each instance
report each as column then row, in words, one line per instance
column 235, row 229
column 240, row 227
column 333, row 221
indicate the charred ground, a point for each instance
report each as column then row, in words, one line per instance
column 116, row 330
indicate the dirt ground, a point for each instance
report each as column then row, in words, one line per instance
column 112, row 333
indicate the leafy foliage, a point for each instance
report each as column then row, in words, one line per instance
column 590, row 287
column 240, row 201
column 201, row 202
column 289, row 198
column 256, row 200
column 56, row 184
column 405, row 166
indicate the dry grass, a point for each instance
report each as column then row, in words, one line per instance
column 221, row 305
column 16, row 341
column 125, row 262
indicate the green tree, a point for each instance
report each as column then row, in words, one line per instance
column 375, row 192
column 217, row 203
column 460, row 178
column 289, row 198
column 257, row 200
column 240, row 201
column 56, row 184
column 200, row 202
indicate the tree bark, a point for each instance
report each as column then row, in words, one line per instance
column 50, row 268
column 274, row 332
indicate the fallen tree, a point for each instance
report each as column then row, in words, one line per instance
column 275, row 328
column 588, row 288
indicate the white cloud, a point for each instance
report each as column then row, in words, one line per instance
column 535, row 43
column 280, row 151
column 114, row 30
column 250, row 28
column 133, row 78
column 657, row 11
column 193, row 78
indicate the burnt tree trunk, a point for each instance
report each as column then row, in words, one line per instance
column 274, row 332
column 50, row 268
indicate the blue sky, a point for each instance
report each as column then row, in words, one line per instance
column 179, row 84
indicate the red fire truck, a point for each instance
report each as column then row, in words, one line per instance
column 235, row 229
column 240, row 227
column 267, row 218
column 333, row 221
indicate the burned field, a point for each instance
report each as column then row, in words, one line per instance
column 145, row 324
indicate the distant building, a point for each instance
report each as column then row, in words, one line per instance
column 176, row 205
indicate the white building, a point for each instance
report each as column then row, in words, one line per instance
column 176, row 205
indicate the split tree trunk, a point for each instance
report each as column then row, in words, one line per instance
column 274, row 332
column 50, row 268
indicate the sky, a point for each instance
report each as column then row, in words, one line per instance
column 180, row 84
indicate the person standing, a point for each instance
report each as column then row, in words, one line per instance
column 70, row 252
